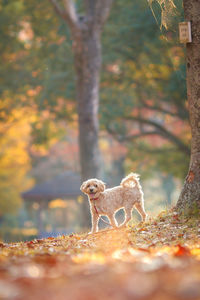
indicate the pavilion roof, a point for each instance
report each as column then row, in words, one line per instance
column 64, row 186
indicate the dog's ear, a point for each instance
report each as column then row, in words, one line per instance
column 83, row 187
column 101, row 185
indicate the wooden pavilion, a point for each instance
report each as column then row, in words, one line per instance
column 65, row 186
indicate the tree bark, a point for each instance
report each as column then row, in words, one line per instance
column 87, row 58
column 189, row 200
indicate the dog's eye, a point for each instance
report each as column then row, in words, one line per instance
column 88, row 185
column 95, row 185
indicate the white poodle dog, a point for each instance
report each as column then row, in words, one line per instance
column 106, row 202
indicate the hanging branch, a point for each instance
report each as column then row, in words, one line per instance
column 161, row 131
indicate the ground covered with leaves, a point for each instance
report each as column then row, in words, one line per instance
column 159, row 259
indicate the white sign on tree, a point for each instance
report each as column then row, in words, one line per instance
column 185, row 35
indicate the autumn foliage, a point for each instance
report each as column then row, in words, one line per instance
column 159, row 259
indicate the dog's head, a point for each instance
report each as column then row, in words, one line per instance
column 92, row 187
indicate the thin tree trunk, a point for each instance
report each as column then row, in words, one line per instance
column 189, row 200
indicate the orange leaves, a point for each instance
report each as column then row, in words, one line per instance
column 181, row 251
column 142, row 229
column 118, row 264
column 87, row 257
column 195, row 252
column 2, row 245
column 30, row 244
column 190, row 177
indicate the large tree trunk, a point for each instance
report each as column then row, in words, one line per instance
column 87, row 57
column 189, row 200
column 87, row 54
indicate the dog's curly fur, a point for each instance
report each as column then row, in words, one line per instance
column 107, row 202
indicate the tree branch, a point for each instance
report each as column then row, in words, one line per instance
column 68, row 14
column 162, row 110
column 130, row 137
column 71, row 14
column 162, row 131
column 102, row 10
column 139, row 135
column 155, row 150
column 57, row 8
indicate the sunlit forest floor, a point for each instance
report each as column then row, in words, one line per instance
column 159, row 259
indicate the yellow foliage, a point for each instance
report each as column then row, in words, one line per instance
column 80, row 199
column 97, row 258
column 58, row 203
column 104, row 144
column 14, row 158
column 25, row 231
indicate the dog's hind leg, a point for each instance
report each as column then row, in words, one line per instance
column 128, row 216
column 140, row 208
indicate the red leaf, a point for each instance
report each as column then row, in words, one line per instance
column 144, row 249
column 40, row 241
column 181, row 251
column 143, row 229
column 30, row 244
column 176, row 217
column 180, row 235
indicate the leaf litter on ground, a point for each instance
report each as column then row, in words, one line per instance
column 158, row 259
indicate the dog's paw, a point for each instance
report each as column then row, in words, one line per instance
column 122, row 225
column 147, row 218
column 91, row 232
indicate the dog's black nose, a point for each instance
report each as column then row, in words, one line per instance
column 91, row 190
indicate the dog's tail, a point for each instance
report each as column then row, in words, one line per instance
column 131, row 180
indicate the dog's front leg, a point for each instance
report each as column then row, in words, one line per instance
column 113, row 221
column 95, row 219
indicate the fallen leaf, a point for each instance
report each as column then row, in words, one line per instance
column 181, row 251
column 190, row 177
